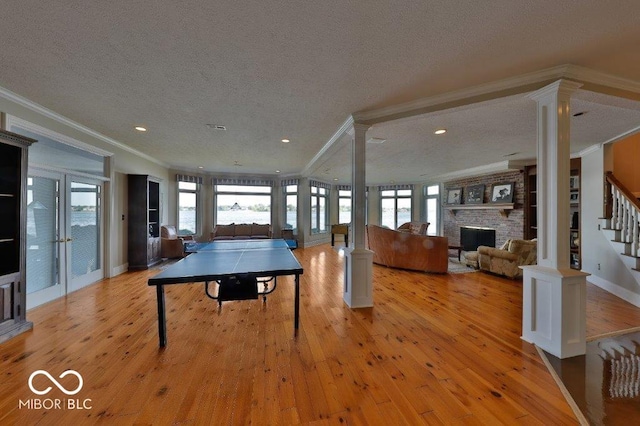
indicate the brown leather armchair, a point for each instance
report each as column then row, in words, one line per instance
column 171, row 245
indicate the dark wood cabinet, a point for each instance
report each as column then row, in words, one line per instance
column 144, row 221
column 531, row 209
column 13, row 213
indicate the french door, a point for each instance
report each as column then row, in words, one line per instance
column 64, row 235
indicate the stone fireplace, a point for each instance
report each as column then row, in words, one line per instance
column 511, row 226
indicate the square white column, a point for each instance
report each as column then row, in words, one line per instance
column 554, row 295
column 554, row 310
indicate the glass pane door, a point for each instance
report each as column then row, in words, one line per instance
column 45, row 242
column 85, row 231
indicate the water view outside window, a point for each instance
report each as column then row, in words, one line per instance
column 187, row 208
column 396, row 207
column 291, row 207
column 433, row 201
column 85, row 229
column 344, row 206
column 243, row 204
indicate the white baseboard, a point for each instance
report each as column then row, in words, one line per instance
column 616, row 290
column 315, row 243
column 119, row 270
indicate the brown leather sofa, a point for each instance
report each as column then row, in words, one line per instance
column 507, row 259
column 171, row 245
column 406, row 250
column 241, row 231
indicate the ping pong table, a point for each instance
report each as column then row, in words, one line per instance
column 219, row 260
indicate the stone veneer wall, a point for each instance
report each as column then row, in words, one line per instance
column 506, row 227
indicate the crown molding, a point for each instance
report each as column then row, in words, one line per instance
column 622, row 136
column 590, row 150
column 502, row 166
column 587, row 75
column 455, row 97
column 519, row 84
column 345, row 128
column 39, row 109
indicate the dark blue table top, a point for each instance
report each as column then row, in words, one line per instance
column 219, row 259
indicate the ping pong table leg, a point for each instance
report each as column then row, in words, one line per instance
column 296, row 312
column 162, row 322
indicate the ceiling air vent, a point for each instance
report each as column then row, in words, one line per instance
column 376, row 140
column 216, row 126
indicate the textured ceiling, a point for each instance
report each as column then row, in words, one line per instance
column 270, row 70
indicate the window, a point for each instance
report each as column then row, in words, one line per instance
column 395, row 206
column 188, row 218
column 344, row 206
column 319, row 201
column 291, row 207
column 432, row 211
column 243, row 204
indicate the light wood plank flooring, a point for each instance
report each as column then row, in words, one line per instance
column 435, row 349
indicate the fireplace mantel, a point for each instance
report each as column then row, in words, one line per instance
column 503, row 208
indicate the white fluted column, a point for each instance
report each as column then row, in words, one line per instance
column 554, row 295
column 358, row 268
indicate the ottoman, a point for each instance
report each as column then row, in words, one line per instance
column 471, row 258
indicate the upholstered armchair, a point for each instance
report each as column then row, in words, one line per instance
column 418, row 228
column 507, row 259
column 171, row 245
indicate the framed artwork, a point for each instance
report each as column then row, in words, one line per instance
column 574, row 197
column 475, row 194
column 574, row 182
column 454, row 196
column 502, row 192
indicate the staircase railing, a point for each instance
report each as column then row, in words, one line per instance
column 623, row 208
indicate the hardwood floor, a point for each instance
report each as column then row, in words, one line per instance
column 435, row 349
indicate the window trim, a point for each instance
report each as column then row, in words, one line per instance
column 317, row 196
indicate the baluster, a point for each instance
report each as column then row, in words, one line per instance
column 627, row 208
column 614, row 208
column 616, row 203
column 620, row 212
column 624, row 222
column 636, row 238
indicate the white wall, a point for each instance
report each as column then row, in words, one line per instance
column 598, row 257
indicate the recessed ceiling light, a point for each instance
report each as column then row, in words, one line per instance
column 201, row 167
column 141, row 129
column 335, row 178
column 286, row 140
column 277, row 171
column 440, row 131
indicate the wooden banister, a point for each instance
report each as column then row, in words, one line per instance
column 623, row 209
column 610, row 178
